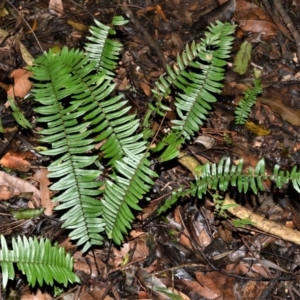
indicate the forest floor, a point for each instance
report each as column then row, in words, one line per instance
column 193, row 250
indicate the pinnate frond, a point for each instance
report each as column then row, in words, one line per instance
column 38, row 260
column 243, row 109
column 59, row 77
column 103, row 50
column 122, row 194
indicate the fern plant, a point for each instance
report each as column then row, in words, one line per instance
column 245, row 105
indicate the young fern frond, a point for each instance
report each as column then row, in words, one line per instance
column 60, row 76
column 243, row 109
column 39, row 260
column 103, row 50
column 124, row 191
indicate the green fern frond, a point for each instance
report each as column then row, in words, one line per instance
column 109, row 115
column 117, row 128
column 243, row 109
column 38, row 260
column 124, row 191
column 60, row 76
column 199, row 85
column 172, row 143
column 220, row 176
column 103, row 50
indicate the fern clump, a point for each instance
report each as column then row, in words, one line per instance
column 245, row 105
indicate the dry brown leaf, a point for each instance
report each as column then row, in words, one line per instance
column 15, row 161
column 208, row 283
column 291, row 115
column 146, row 88
column 6, row 192
column 37, row 296
column 22, row 84
column 56, row 7
column 252, row 18
column 41, row 177
column 20, row 186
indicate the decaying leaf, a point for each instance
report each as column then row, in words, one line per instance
column 257, row 129
column 242, row 58
column 291, row 115
column 20, row 186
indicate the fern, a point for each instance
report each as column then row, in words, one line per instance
column 124, row 192
column 60, row 76
column 244, row 107
column 207, row 60
column 197, row 86
column 39, row 260
column 103, row 50
column 225, row 174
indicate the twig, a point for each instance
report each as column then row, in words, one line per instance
column 263, row 224
column 147, row 36
column 289, row 24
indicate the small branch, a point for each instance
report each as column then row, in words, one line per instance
column 289, row 24
column 263, row 224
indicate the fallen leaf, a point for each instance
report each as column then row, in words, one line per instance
column 56, row 7
column 20, row 186
column 6, row 192
column 291, row 115
column 78, row 26
column 37, row 296
column 41, row 177
column 14, row 161
column 22, row 84
column 252, row 18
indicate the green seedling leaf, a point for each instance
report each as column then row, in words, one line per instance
column 26, row 214
column 242, row 58
column 242, row 223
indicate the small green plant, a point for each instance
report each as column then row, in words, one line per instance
column 245, row 105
